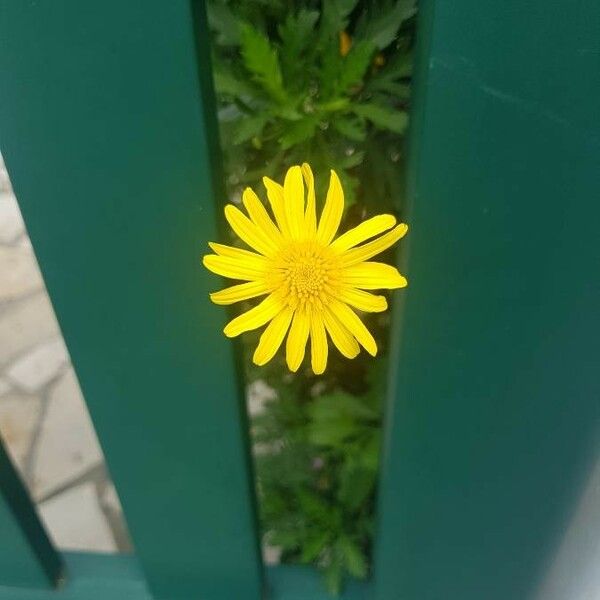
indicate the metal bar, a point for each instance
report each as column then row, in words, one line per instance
column 91, row 577
column 494, row 425
column 27, row 558
column 108, row 130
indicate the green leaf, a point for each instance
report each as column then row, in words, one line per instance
column 340, row 405
column 313, row 547
column 249, row 127
column 354, row 559
column 351, row 160
column 261, row 59
column 296, row 34
column 226, row 83
column 333, row 578
column 400, row 91
column 224, row 23
column 332, row 432
column 298, row 131
column 354, row 66
column 380, row 24
column 369, row 457
column 334, row 18
column 383, row 117
column 351, row 127
column 356, row 485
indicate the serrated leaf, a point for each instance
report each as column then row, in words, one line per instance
column 332, row 577
column 249, row 127
column 298, row 131
column 352, row 160
column 226, row 83
column 331, row 433
column 400, row 91
column 357, row 483
column 340, row 405
column 380, row 24
column 383, row 117
column 261, row 59
column 351, row 127
column 353, row 557
column 369, row 456
column 334, row 17
column 296, row 34
column 224, row 23
column 354, row 66
column 313, row 547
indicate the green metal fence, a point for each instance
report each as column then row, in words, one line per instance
column 107, row 126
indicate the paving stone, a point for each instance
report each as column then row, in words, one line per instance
column 5, row 386
column 24, row 242
column 19, row 416
column 271, row 554
column 257, row 394
column 4, row 180
column 110, row 499
column 11, row 222
column 67, row 445
column 20, row 273
column 27, row 323
column 39, row 366
column 75, row 521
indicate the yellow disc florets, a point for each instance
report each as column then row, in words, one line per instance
column 306, row 273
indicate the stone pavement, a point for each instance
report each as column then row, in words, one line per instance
column 43, row 419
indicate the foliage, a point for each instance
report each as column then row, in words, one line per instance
column 290, row 91
column 289, row 94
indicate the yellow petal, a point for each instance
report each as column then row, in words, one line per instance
column 243, row 291
column 259, row 215
column 235, row 268
column 362, row 253
column 340, row 336
column 293, row 194
column 363, row 300
column 332, row 211
column 272, row 336
column 355, row 326
column 311, row 208
column 248, row 231
column 275, row 196
column 373, row 276
column 364, row 231
column 296, row 341
column 255, row 317
column 318, row 343
column 233, row 252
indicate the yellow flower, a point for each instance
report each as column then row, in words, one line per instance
column 310, row 280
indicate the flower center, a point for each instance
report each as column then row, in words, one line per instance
column 306, row 272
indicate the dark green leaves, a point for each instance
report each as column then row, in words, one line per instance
column 288, row 95
column 262, row 61
column 383, row 117
column 354, row 66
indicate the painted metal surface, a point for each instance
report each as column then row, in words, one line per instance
column 107, row 127
column 496, row 396
column 27, row 558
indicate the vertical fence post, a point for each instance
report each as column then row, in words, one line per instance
column 495, row 417
column 27, row 558
column 108, row 129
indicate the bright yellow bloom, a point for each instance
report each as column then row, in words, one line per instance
column 310, row 280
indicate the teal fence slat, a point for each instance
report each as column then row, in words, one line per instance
column 27, row 558
column 495, row 418
column 91, row 577
column 108, row 131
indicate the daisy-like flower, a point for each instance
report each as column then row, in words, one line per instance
column 312, row 280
